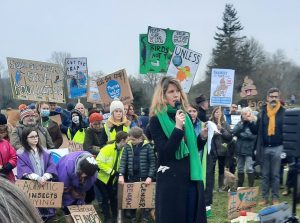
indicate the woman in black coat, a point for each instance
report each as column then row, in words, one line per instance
column 179, row 187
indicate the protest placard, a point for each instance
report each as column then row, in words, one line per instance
column 77, row 76
column 47, row 196
column 74, row 146
column 157, row 46
column 221, row 90
column 84, row 214
column 115, row 85
column 183, row 66
column 93, row 95
column 243, row 199
column 13, row 116
column 137, row 195
column 56, row 118
column 35, row 81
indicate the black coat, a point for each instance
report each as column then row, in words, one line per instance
column 173, row 184
column 94, row 138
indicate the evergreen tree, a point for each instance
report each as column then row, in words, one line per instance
column 229, row 44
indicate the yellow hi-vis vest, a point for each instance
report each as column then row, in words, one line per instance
column 78, row 137
column 112, row 135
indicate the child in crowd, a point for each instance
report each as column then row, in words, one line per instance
column 137, row 164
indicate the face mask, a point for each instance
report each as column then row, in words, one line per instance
column 75, row 119
column 45, row 113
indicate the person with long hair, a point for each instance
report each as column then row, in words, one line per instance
column 15, row 206
column 218, row 153
column 76, row 132
column 35, row 163
column 108, row 161
column 43, row 110
column 179, row 181
column 131, row 116
column 116, row 122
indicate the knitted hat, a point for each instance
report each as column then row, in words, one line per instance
column 22, row 107
column 88, row 166
column 95, row 117
column 3, row 120
column 26, row 112
column 115, row 104
column 200, row 99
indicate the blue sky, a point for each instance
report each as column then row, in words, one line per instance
column 106, row 32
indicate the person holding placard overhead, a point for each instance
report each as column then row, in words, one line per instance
column 116, row 122
column 35, row 163
column 179, row 180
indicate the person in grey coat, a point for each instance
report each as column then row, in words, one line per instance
column 245, row 146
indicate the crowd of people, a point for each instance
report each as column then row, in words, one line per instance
column 166, row 144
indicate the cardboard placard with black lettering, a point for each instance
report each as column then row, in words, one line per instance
column 245, row 198
column 47, row 196
column 36, row 81
column 115, row 85
column 56, row 118
column 84, row 214
column 74, row 146
column 137, row 195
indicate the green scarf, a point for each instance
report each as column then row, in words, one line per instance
column 184, row 150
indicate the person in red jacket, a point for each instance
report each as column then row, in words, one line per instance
column 8, row 157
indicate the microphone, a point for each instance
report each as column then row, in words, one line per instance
column 178, row 105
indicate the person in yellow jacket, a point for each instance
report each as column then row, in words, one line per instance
column 108, row 161
column 76, row 132
column 116, row 122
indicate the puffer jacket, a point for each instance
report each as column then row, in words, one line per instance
column 245, row 139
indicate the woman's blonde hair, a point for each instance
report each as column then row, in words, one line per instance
column 159, row 102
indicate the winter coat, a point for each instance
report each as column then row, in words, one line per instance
column 44, row 137
column 146, row 161
column 107, row 159
column 65, row 121
column 55, row 133
column 93, row 138
column 67, row 173
column 219, row 144
column 173, row 182
column 245, row 139
column 25, row 167
column 8, row 160
column 260, row 128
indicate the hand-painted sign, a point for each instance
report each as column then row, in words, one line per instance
column 77, row 76
column 183, row 66
column 221, row 91
column 157, row 46
column 93, row 95
column 36, row 81
column 84, row 214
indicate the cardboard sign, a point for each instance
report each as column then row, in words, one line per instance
column 221, row 89
column 47, row 196
column 184, row 65
column 84, row 214
column 157, row 46
column 115, row 85
column 74, row 146
column 243, row 199
column 93, row 95
column 36, row 81
column 13, row 116
column 77, row 76
column 235, row 119
column 137, row 195
column 56, row 118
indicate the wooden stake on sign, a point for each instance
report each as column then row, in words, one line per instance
column 94, row 105
column 78, row 100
